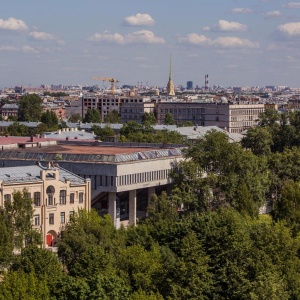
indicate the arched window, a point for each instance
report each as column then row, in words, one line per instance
column 50, row 193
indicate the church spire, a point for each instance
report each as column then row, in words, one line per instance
column 170, row 85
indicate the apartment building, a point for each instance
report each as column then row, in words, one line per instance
column 107, row 103
column 56, row 193
column 233, row 118
column 134, row 111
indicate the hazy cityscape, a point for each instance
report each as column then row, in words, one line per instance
column 150, row 150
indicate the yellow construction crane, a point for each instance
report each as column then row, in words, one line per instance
column 111, row 80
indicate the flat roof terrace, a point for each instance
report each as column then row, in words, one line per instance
column 89, row 153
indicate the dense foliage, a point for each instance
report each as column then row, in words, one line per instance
column 112, row 117
column 92, row 116
column 30, row 108
column 132, row 131
column 74, row 118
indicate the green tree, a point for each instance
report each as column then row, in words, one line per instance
column 50, row 119
column 186, row 124
column 19, row 285
column 74, row 118
column 30, row 108
column 222, row 167
column 131, row 127
column 169, row 120
column 19, row 214
column 41, row 128
column 70, row 287
column 259, row 140
column 268, row 118
column 191, row 278
column 112, row 117
column 87, row 237
column 287, row 206
column 92, row 116
column 143, row 267
column 6, row 240
column 149, row 118
column 17, row 129
column 102, row 133
column 43, row 263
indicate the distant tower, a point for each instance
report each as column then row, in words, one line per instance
column 156, row 91
column 189, row 85
column 170, row 85
column 206, row 82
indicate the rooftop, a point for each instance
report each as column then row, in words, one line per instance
column 32, row 173
column 89, row 153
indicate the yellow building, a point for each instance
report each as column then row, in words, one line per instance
column 56, row 194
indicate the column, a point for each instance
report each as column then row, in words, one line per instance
column 113, row 209
column 132, row 207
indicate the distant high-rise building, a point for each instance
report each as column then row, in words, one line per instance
column 206, row 82
column 189, row 85
column 170, row 85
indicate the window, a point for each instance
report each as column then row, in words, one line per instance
column 72, row 197
column 27, row 195
column 62, row 217
column 71, row 214
column 62, row 197
column 7, row 197
column 37, row 198
column 51, row 219
column 80, row 197
column 50, row 193
column 36, row 219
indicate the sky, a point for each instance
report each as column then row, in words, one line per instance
column 235, row 42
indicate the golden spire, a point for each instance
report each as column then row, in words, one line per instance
column 170, row 85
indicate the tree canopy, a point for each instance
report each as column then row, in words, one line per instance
column 169, row 119
column 92, row 116
column 112, row 117
column 30, row 108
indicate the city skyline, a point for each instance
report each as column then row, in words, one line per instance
column 238, row 43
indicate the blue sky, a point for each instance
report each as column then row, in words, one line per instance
column 235, row 42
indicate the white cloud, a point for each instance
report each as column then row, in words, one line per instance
column 195, row 39
column 13, row 24
column 138, row 20
column 273, row 14
column 8, row 48
column 290, row 29
column 41, row 36
column 224, row 25
column 234, row 42
column 61, row 42
column 28, row 49
column 223, row 42
column 292, row 5
column 138, row 37
column 241, row 11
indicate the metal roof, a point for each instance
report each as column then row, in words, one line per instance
column 32, row 173
column 106, row 158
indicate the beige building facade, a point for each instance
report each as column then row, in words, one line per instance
column 56, row 193
column 233, row 118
